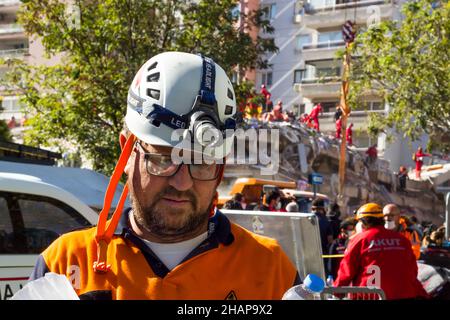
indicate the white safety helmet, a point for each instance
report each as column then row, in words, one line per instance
column 177, row 90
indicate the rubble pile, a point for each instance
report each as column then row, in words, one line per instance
column 363, row 183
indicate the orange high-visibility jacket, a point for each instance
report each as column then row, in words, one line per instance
column 412, row 235
column 231, row 263
column 414, row 238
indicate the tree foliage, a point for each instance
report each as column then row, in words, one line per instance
column 82, row 99
column 407, row 62
column 5, row 134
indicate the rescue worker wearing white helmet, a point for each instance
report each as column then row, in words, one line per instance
column 172, row 243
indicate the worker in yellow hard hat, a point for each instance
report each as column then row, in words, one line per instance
column 380, row 257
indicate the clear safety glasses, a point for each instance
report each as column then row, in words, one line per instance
column 161, row 165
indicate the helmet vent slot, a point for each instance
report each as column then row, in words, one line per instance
column 154, row 77
column 153, row 93
column 228, row 109
column 153, row 66
column 230, row 94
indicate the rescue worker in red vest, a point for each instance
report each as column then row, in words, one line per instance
column 381, row 258
column 172, row 243
column 393, row 221
column 314, row 115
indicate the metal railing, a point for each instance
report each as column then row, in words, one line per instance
column 10, row 28
column 13, row 52
column 9, row 2
column 331, row 5
column 320, row 80
column 352, row 293
column 324, row 45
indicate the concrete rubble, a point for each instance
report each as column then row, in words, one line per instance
column 363, row 183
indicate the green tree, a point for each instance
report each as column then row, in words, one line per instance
column 5, row 134
column 407, row 63
column 103, row 43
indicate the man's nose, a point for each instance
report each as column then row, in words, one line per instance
column 182, row 180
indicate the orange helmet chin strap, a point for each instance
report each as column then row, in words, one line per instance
column 105, row 233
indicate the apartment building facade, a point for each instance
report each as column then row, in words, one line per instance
column 14, row 43
column 306, row 71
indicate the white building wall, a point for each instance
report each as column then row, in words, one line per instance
column 287, row 59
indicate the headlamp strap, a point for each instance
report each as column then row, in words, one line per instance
column 163, row 115
column 208, row 84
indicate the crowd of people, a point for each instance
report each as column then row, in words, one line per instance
column 337, row 236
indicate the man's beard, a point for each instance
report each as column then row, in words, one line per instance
column 154, row 221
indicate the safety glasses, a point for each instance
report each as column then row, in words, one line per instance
column 161, row 165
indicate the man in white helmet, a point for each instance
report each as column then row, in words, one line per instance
column 172, row 243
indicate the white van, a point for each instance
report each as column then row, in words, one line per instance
column 33, row 214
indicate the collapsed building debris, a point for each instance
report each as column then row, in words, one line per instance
column 303, row 150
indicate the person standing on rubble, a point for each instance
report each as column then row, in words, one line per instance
column 371, row 155
column 276, row 114
column 266, row 94
column 338, row 128
column 314, row 115
column 349, row 134
column 394, row 221
column 381, row 258
column 402, row 176
column 338, row 112
column 418, row 158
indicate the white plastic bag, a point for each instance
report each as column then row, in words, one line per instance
column 50, row 287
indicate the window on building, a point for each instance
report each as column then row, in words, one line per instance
column 376, row 105
column 270, row 11
column 362, row 139
column 373, row 106
column 266, row 78
column 298, row 75
column 19, row 46
column 11, row 104
column 302, row 40
column 330, row 36
column 321, row 69
column 328, row 106
column 318, row 4
column 298, row 108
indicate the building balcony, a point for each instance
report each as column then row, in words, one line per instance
column 4, row 3
column 9, row 6
column 327, row 13
column 322, row 50
column 11, row 31
column 326, row 87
